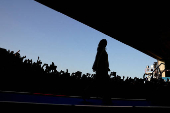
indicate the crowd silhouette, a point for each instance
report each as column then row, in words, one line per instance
column 20, row 74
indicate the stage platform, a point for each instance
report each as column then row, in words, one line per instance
column 39, row 98
column 28, row 101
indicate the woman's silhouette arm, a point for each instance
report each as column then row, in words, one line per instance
column 108, row 63
column 95, row 64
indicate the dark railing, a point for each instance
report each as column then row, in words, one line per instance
column 157, row 68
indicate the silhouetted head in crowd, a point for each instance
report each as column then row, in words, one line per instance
column 102, row 44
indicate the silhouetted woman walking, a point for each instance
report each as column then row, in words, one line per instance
column 101, row 63
column 101, row 67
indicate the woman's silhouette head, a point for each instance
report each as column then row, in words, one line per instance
column 102, row 44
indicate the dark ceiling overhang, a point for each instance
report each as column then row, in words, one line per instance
column 145, row 30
